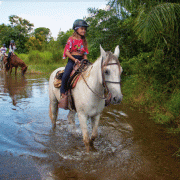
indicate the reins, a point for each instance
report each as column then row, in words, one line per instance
column 91, row 89
column 108, row 96
column 83, row 67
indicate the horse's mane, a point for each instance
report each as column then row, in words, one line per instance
column 111, row 56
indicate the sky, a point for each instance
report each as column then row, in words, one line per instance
column 57, row 15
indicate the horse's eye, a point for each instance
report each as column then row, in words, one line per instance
column 107, row 72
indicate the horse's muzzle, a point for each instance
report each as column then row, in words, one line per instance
column 116, row 99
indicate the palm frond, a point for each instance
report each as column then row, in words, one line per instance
column 162, row 19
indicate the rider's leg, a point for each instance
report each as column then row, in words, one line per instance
column 9, row 55
column 65, row 77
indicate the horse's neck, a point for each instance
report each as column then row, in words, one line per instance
column 96, row 70
column 95, row 76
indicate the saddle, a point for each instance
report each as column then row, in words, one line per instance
column 74, row 77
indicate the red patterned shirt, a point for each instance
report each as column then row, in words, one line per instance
column 75, row 45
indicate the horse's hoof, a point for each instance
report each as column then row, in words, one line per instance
column 93, row 149
column 91, row 143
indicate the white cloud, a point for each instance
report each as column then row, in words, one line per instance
column 0, row 2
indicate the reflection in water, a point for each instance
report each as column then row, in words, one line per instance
column 15, row 87
column 129, row 146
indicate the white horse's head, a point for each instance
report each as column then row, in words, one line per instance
column 111, row 74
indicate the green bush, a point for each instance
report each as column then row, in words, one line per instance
column 138, row 64
column 173, row 104
column 37, row 57
column 57, row 55
column 24, row 57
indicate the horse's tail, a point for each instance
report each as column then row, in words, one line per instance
column 53, row 105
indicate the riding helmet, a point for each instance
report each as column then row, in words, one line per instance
column 12, row 41
column 79, row 23
column 4, row 45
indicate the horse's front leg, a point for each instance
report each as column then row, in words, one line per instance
column 94, row 123
column 10, row 70
column 15, row 71
column 53, row 112
column 83, row 124
column 2, row 63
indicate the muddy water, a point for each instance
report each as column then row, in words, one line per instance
column 129, row 146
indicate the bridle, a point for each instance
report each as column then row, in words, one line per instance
column 108, row 96
column 109, row 64
column 104, row 82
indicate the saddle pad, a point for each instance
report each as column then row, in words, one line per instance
column 74, row 81
column 57, row 79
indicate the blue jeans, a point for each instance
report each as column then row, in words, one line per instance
column 67, row 72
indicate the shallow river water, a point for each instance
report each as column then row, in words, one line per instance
column 129, row 145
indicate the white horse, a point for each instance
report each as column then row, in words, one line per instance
column 89, row 93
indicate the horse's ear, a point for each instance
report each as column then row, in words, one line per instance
column 117, row 51
column 103, row 53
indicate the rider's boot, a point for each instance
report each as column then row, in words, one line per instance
column 63, row 103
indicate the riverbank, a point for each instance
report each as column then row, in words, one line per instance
column 42, row 62
column 162, row 107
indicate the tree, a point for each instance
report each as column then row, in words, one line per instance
column 18, row 30
column 154, row 19
column 102, row 30
column 5, row 31
column 39, row 39
column 63, row 37
column 22, row 25
column 35, row 43
column 156, row 23
column 43, row 32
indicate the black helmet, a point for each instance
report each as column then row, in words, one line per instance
column 4, row 45
column 79, row 23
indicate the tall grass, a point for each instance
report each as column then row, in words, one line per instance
column 44, row 58
column 43, row 62
column 163, row 107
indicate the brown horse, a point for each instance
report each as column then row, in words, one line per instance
column 1, row 61
column 15, row 61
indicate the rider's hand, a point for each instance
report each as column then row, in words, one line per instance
column 77, row 61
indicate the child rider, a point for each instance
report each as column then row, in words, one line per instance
column 76, row 50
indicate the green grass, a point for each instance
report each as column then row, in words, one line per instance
column 163, row 107
column 42, row 62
